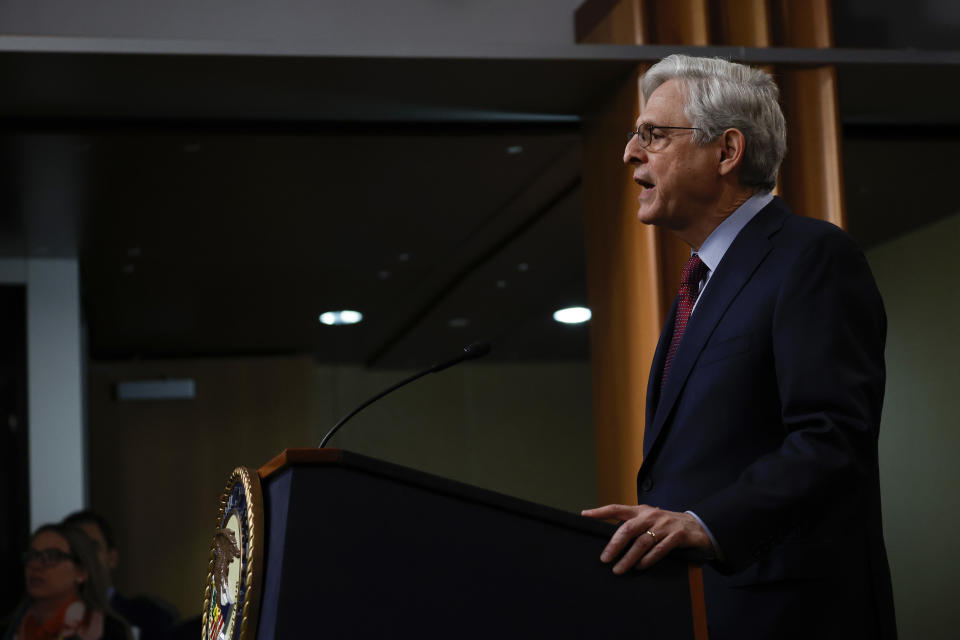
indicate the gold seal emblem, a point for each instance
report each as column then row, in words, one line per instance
column 232, row 596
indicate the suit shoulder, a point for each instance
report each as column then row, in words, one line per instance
column 801, row 233
column 803, row 245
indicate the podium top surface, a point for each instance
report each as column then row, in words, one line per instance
column 290, row 458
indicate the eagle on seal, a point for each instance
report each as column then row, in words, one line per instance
column 225, row 543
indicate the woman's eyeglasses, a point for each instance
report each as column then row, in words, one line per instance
column 47, row 557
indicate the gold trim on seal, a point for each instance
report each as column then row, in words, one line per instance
column 227, row 540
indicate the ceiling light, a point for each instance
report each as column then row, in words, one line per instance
column 572, row 315
column 515, row 149
column 341, row 317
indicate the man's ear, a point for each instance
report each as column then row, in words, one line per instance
column 732, row 145
column 112, row 559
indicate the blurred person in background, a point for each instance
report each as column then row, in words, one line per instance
column 149, row 620
column 65, row 591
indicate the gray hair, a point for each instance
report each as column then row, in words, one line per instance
column 719, row 95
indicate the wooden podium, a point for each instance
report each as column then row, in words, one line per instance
column 355, row 547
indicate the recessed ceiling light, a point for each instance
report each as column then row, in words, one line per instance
column 340, row 317
column 458, row 323
column 515, row 149
column 523, row 266
column 572, row 315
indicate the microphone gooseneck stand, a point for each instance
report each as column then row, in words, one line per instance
column 471, row 352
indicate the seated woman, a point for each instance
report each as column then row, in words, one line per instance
column 65, row 597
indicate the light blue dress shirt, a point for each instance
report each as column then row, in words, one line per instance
column 715, row 246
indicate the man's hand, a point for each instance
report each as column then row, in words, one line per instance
column 653, row 533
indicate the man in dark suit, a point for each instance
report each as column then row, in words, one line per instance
column 764, row 398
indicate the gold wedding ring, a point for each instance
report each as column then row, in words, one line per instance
column 652, row 535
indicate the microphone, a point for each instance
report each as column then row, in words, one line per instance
column 470, row 352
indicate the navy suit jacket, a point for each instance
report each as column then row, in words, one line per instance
column 767, row 428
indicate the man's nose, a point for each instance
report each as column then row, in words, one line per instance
column 633, row 153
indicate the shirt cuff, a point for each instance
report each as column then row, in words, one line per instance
column 718, row 554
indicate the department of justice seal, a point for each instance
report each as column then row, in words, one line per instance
column 233, row 592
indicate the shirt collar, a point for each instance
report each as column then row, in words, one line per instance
column 715, row 246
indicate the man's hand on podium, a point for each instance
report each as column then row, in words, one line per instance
column 650, row 533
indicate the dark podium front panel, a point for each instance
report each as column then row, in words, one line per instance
column 359, row 548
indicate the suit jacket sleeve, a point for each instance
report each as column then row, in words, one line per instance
column 828, row 331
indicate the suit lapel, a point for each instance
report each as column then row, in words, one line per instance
column 656, row 369
column 739, row 263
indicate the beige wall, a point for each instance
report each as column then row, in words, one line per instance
column 524, row 429
column 157, row 468
column 920, row 434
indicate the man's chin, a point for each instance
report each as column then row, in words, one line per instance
column 646, row 216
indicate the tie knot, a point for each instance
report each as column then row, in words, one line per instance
column 694, row 271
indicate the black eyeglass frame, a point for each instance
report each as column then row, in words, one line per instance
column 47, row 557
column 648, row 127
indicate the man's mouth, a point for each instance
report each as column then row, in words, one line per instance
column 645, row 184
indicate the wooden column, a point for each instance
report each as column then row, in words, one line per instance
column 623, row 267
column 634, row 270
column 677, row 22
column 744, row 23
column 812, row 174
column 610, row 22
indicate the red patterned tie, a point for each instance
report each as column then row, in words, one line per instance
column 693, row 273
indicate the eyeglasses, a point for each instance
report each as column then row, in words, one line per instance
column 47, row 557
column 648, row 136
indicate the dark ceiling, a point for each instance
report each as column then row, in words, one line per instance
column 223, row 242
column 218, row 205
